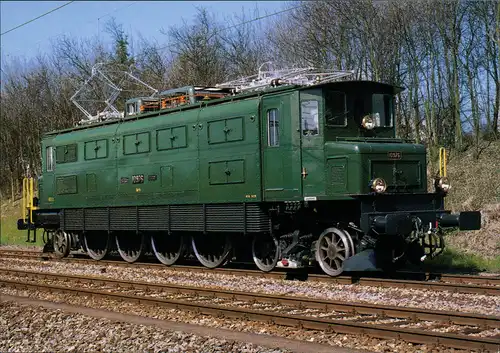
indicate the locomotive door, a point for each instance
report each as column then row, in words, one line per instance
column 281, row 155
column 312, row 141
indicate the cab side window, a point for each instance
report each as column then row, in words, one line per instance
column 273, row 128
column 309, row 116
column 49, row 159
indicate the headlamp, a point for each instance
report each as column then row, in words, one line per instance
column 378, row 185
column 368, row 122
column 444, row 184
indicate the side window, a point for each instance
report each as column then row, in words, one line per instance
column 96, row 149
column 136, row 143
column 49, row 159
column 225, row 130
column 309, row 118
column 171, row 138
column 335, row 108
column 273, row 126
column 66, row 153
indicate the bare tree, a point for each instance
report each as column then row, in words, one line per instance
column 447, row 55
column 244, row 45
column 198, row 52
column 153, row 64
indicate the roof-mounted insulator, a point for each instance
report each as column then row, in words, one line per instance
column 305, row 76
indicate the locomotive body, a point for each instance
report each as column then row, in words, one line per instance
column 291, row 175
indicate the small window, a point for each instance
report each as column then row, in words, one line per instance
column 309, row 118
column 131, row 109
column 335, row 108
column 49, row 158
column 273, row 125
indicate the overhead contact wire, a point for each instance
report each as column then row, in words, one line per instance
column 233, row 26
column 36, row 18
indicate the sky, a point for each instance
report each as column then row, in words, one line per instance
column 85, row 19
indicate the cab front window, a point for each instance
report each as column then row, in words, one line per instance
column 382, row 109
column 335, row 108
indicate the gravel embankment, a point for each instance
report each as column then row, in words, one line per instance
column 427, row 299
column 36, row 329
column 240, row 324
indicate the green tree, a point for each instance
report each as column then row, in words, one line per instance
column 121, row 44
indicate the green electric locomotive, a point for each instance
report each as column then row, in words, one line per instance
column 291, row 169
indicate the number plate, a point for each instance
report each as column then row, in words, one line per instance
column 138, row 179
column 394, row 155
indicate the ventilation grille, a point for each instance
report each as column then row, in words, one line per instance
column 199, row 218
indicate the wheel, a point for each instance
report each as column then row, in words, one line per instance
column 167, row 248
column 96, row 244
column 265, row 251
column 351, row 242
column 332, row 249
column 211, row 250
column 62, row 243
column 130, row 246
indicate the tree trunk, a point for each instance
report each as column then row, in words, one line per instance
column 415, row 104
column 432, row 102
column 13, row 189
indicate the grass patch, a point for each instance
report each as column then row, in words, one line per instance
column 452, row 260
column 10, row 235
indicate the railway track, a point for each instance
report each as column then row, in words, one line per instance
column 379, row 321
column 456, row 283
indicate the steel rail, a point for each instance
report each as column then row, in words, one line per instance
column 457, row 283
column 458, row 278
column 304, row 322
column 413, row 314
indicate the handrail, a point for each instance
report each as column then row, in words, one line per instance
column 442, row 162
column 27, row 206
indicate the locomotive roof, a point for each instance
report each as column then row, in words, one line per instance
column 241, row 96
column 367, row 84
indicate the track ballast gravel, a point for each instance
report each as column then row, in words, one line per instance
column 26, row 328
column 418, row 298
column 240, row 324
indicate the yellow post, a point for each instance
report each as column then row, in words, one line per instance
column 27, row 205
column 442, row 162
column 30, row 200
column 23, row 199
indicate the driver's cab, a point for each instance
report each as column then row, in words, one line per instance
column 344, row 126
column 357, row 109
